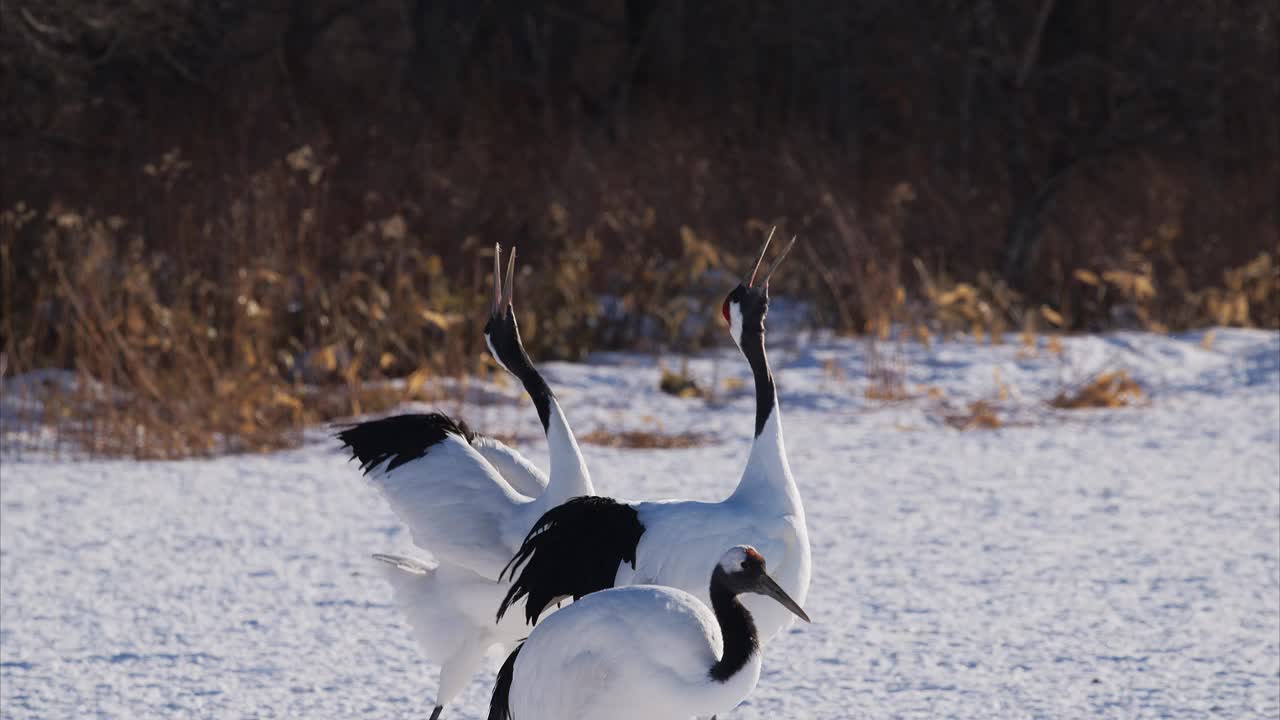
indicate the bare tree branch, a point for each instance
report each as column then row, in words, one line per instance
column 1032, row 51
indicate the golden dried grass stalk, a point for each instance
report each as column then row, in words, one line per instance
column 978, row 415
column 644, row 439
column 1110, row 389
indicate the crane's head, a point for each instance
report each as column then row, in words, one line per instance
column 741, row 569
column 501, row 333
column 746, row 305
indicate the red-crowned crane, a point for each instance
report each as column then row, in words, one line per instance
column 468, row 500
column 643, row 652
column 589, row 544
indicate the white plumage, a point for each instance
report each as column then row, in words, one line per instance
column 523, row 476
column 451, row 612
column 643, row 652
column 682, row 539
column 459, row 507
column 578, row 662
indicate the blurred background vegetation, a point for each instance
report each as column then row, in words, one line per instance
column 230, row 220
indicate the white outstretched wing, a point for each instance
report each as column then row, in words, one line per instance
column 455, row 504
column 521, row 474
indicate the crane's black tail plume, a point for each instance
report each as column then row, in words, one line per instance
column 573, row 550
column 500, row 702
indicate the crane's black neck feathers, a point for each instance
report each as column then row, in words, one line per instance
column 504, row 338
column 573, row 550
column 400, row 438
column 737, row 628
column 500, row 701
column 766, row 393
column 753, row 303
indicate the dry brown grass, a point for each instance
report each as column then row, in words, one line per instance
column 886, row 372
column 645, row 439
column 178, row 365
column 988, row 413
column 214, row 302
column 1110, row 389
column 977, row 415
column 681, row 384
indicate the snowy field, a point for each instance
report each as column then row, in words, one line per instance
column 1114, row 563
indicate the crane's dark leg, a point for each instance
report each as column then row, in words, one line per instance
column 435, row 714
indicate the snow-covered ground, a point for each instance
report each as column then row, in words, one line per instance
column 1071, row 564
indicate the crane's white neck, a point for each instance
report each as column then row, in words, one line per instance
column 568, row 474
column 767, row 477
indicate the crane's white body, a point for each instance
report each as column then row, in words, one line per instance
column 682, row 538
column 632, row 653
column 450, row 611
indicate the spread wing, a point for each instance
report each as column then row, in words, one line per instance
column 457, row 506
column 521, row 474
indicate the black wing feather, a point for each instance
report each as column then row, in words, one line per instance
column 573, row 550
column 400, row 438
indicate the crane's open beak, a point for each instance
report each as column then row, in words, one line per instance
column 778, row 261
column 768, row 586
column 751, row 279
column 755, row 270
column 501, row 294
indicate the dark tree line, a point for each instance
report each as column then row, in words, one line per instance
column 1007, row 100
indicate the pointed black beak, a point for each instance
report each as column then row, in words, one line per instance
column 778, row 261
column 768, row 586
column 751, row 279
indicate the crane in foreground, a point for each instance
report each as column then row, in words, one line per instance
column 643, row 651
